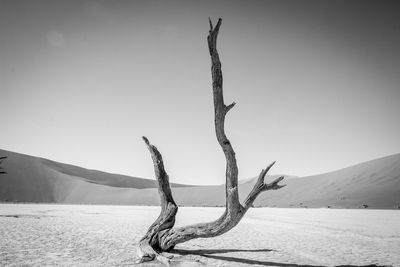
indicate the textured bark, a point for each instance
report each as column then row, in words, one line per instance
column 259, row 187
column 148, row 247
column 161, row 235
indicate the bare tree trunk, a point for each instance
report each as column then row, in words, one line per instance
column 161, row 236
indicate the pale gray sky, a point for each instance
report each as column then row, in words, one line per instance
column 316, row 84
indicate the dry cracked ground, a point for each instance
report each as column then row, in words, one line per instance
column 92, row 235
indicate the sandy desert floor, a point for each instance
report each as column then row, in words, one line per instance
column 86, row 235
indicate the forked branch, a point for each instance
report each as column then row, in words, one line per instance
column 260, row 186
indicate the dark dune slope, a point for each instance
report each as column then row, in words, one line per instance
column 33, row 179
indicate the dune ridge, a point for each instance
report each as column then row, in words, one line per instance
column 372, row 184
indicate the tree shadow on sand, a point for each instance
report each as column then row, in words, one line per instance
column 206, row 253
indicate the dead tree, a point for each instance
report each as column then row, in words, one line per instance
column 161, row 236
column 1, row 161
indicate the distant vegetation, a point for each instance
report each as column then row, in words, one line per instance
column 1, row 161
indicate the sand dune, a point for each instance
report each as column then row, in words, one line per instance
column 374, row 183
column 33, row 179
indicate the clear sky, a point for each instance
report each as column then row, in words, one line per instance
column 317, row 84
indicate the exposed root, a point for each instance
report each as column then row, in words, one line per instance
column 146, row 253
